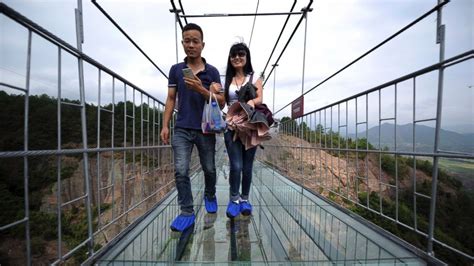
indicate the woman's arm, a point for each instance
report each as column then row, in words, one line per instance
column 259, row 99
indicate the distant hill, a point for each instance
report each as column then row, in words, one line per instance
column 424, row 137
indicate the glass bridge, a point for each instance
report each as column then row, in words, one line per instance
column 371, row 179
column 289, row 224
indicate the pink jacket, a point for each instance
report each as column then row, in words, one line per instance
column 251, row 134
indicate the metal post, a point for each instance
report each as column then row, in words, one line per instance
column 25, row 148
column 274, row 80
column 176, row 36
column 112, row 145
column 304, row 47
column 124, row 168
column 440, row 30
column 80, row 40
column 305, row 10
column 58, row 195
column 99, row 89
column 176, row 17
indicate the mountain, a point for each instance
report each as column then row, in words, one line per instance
column 424, row 138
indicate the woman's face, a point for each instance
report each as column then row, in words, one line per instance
column 238, row 59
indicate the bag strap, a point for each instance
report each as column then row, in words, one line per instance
column 215, row 98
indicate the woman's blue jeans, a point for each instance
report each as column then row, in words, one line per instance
column 241, row 164
column 183, row 143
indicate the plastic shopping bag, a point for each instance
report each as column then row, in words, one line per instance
column 212, row 120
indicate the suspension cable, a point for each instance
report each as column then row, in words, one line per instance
column 253, row 25
column 305, row 10
column 127, row 36
column 279, row 36
column 371, row 50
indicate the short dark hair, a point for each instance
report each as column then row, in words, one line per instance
column 192, row 26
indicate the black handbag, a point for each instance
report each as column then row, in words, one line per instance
column 247, row 92
column 261, row 112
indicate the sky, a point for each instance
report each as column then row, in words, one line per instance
column 337, row 32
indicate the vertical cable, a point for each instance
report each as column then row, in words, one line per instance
column 253, row 25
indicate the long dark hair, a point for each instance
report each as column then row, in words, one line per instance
column 230, row 71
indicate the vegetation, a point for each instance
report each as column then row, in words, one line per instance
column 454, row 204
column 42, row 170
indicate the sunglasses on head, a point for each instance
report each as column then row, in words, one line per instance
column 240, row 54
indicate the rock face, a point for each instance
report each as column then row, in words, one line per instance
column 121, row 190
column 323, row 171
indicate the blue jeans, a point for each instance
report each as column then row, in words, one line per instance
column 241, row 164
column 183, row 143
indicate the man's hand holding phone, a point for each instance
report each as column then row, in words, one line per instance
column 188, row 73
column 192, row 81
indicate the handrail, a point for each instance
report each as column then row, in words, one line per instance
column 24, row 21
column 306, row 9
column 455, row 59
column 279, row 36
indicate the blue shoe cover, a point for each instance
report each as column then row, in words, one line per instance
column 233, row 209
column 182, row 222
column 245, row 208
column 211, row 204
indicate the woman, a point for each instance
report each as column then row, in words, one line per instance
column 239, row 72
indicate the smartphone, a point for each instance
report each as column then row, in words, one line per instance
column 188, row 73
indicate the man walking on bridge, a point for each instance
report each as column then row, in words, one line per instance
column 192, row 92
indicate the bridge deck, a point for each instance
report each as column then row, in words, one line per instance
column 288, row 223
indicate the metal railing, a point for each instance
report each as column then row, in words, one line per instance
column 126, row 169
column 118, row 172
column 329, row 150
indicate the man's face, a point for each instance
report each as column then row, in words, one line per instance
column 192, row 43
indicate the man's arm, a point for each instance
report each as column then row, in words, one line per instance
column 216, row 88
column 169, row 107
column 196, row 85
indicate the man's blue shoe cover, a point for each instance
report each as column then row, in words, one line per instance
column 182, row 222
column 211, row 204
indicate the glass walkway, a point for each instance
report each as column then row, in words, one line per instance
column 289, row 224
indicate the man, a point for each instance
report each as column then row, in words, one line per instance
column 192, row 93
